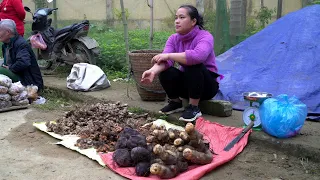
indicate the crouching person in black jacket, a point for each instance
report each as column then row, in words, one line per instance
column 20, row 63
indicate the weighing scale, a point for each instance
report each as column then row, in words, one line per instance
column 250, row 116
column 251, row 113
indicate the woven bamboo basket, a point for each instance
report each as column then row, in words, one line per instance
column 140, row 61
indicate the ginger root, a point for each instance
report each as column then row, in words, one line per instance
column 197, row 157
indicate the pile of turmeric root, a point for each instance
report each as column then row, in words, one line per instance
column 160, row 151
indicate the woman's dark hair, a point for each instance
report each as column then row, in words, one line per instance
column 194, row 14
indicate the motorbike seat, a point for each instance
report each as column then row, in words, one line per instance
column 63, row 30
column 70, row 28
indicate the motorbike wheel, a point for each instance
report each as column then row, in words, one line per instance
column 82, row 50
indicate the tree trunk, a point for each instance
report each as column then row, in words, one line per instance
column 109, row 13
column 126, row 36
column 200, row 6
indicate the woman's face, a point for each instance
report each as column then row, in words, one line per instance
column 183, row 22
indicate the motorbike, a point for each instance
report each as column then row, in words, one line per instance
column 68, row 45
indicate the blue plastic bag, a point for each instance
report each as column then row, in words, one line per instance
column 283, row 117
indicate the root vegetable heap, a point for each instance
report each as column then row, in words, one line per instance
column 98, row 125
column 132, row 151
column 172, row 151
column 181, row 149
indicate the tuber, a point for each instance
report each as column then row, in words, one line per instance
column 164, row 171
column 136, row 140
column 161, row 135
column 184, row 136
column 197, row 157
column 140, row 154
column 168, row 157
column 182, row 166
column 181, row 148
column 127, row 132
column 173, row 133
column 192, row 132
column 199, row 145
column 121, row 143
column 170, row 147
column 178, row 142
column 150, row 139
column 122, row 157
column 157, row 160
column 143, row 169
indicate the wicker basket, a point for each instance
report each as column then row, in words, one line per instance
column 140, row 61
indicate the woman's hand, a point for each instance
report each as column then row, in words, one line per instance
column 159, row 58
column 148, row 76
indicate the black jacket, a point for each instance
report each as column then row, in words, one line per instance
column 24, row 63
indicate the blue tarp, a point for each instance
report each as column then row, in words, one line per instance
column 283, row 58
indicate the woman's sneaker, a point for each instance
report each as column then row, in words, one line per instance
column 191, row 113
column 172, row 107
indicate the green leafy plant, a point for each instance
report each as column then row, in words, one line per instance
column 118, row 13
column 209, row 20
column 315, row 2
column 136, row 110
column 264, row 15
column 113, row 54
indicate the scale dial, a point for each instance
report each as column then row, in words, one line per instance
column 251, row 114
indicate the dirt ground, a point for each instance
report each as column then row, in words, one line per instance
column 27, row 153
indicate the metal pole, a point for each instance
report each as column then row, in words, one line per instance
column 151, row 23
column 279, row 9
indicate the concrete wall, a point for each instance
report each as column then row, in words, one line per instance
column 139, row 12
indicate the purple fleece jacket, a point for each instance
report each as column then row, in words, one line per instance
column 198, row 46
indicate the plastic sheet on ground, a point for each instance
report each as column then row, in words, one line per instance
column 283, row 58
column 218, row 136
column 69, row 142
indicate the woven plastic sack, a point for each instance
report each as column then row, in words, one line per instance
column 16, row 88
column 20, row 103
column 5, row 104
column 283, row 117
column 5, row 97
column 5, row 81
column 22, row 96
column 3, row 90
column 38, row 42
